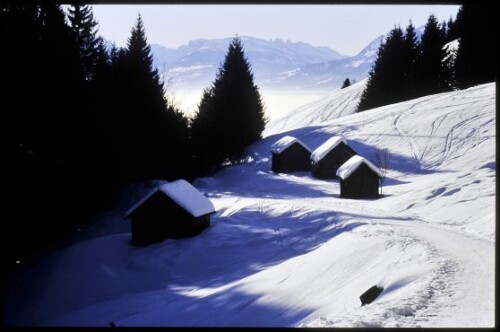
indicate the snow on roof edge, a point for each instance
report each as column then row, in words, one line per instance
column 188, row 197
column 286, row 141
column 352, row 164
column 139, row 202
column 326, row 147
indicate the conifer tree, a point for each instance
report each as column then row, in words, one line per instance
column 432, row 69
column 476, row 57
column 231, row 113
column 387, row 83
column 84, row 31
column 451, row 30
column 346, row 83
column 150, row 133
column 411, row 58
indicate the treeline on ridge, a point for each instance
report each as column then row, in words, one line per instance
column 408, row 68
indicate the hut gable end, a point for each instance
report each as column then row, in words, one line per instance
column 173, row 210
column 352, row 164
column 359, row 179
column 290, row 155
column 326, row 159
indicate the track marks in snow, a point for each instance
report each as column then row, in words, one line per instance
column 411, row 143
column 447, row 144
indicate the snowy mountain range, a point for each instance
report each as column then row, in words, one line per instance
column 301, row 71
column 276, row 64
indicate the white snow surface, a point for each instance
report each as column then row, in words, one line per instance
column 187, row 196
column 284, row 142
column 286, row 250
column 339, row 103
column 320, row 152
column 352, row 164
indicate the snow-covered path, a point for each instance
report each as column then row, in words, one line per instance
column 472, row 263
column 285, row 250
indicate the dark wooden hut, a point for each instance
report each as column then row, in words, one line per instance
column 359, row 178
column 290, row 155
column 328, row 157
column 173, row 210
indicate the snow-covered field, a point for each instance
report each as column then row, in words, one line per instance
column 333, row 105
column 285, row 250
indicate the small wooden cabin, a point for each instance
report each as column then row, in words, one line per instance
column 328, row 157
column 290, row 155
column 359, row 178
column 172, row 210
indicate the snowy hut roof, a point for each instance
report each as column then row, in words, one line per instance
column 352, row 164
column 184, row 194
column 139, row 203
column 285, row 142
column 187, row 196
column 326, row 147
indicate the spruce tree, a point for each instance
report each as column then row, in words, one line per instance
column 84, row 31
column 231, row 113
column 387, row 81
column 150, row 133
column 451, row 30
column 432, row 69
column 411, row 59
column 346, row 83
column 476, row 56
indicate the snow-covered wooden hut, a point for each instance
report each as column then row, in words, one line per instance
column 329, row 156
column 359, row 178
column 172, row 210
column 289, row 154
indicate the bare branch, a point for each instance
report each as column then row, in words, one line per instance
column 382, row 159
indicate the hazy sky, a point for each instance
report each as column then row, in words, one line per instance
column 345, row 28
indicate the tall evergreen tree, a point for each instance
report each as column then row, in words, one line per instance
column 411, row 58
column 432, row 68
column 84, row 30
column 387, row 81
column 451, row 30
column 231, row 113
column 150, row 133
column 476, row 56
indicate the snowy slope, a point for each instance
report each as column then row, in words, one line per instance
column 285, row 250
column 339, row 103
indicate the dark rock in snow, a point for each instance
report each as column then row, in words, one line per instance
column 370, row 295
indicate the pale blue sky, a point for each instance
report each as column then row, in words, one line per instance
column 344, row 28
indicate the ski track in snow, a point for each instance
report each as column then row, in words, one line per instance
column 285, row 250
